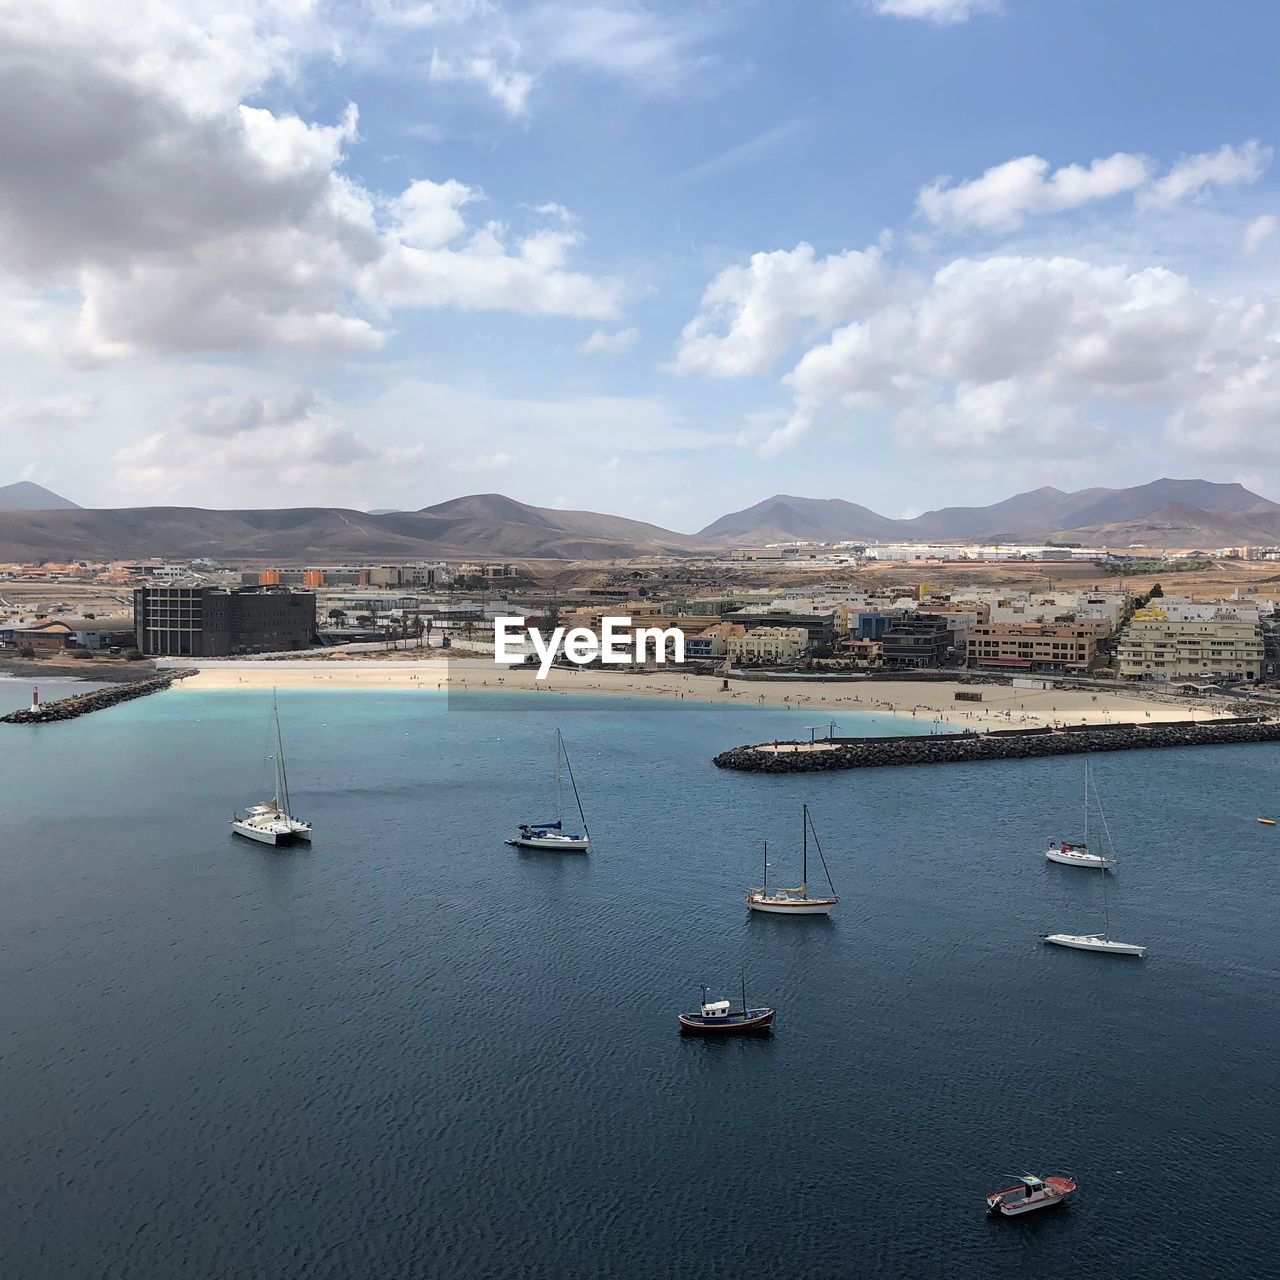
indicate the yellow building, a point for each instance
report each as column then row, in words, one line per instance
column 1161, row 648
column 768, row 645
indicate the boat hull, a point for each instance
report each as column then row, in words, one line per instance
column 1093, row 942
column 260, row 835
column 558, row 846
column 791, row 907
column 1073, row 859
column 755, row 1021
column 1011, row 1203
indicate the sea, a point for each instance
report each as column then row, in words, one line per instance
column 413, row 1051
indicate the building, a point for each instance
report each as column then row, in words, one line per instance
column 215, row 622
column 920, row 640
column 711, row 643
column 820, row 628
column 1036, row 646
column 768, row 645
column 1156, row 647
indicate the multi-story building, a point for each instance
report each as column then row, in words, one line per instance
column 1036, row 646
column 711, row 643
column 770, row 645
column 214, row 622
column 820, row 628
column 919, row 640
column 1156, row 647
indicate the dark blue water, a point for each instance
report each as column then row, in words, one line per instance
column 412, row 1051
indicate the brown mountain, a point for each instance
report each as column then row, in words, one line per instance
column 483, row 525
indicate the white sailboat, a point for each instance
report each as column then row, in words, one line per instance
column 1070, row 854
column 272, row 821
column 1098, row 941
column 795, row 902
column 552, row 835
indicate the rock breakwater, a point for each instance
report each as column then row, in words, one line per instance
column 1007, row 744
column 81, row 704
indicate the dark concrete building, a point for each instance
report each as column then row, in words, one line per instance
column 918, row 640
column 213, row 622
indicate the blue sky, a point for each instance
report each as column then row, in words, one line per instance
column 653, row 258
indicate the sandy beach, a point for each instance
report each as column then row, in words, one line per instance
column 1001, row 706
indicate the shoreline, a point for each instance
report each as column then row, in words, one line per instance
column 933, row 701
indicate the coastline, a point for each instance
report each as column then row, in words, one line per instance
column 1002, row 706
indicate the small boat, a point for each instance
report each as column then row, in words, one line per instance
column 1267, row 822
column 552, row 835
column 1098, row 941
column 1032, row 1192
column 1095, row 942
column 1076, row 854
column 272, row 821
column 718, row 1017
column 795, row 902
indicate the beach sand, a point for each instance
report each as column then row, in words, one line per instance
column 1001, row 707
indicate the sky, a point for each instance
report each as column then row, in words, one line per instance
column 660, row 258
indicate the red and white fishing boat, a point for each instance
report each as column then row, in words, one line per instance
column 718, row 1017
column 1031, row 1193
column 797, row 901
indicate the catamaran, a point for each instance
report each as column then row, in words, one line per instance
column 795, row 902
column 552, row 835
column 1078, row 855
column 272, row 821
column 1098, row 941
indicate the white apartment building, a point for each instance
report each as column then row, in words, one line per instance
column 768, row 645
column 1155, row 646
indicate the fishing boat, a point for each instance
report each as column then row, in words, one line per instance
column 552, row 835
column 272, row 821
column 797, row 901
column 1031, row 1193
column 1071, row 854
column 1098, row 941
column 718, row 1017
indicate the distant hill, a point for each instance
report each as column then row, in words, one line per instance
column 1237, row 513
column 1165, row 513
column 25, row 496
column 484, row 525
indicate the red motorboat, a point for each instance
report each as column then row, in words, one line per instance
column 1032, row 1192
column 718, row 1017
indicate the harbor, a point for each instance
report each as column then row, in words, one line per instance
column 82, row 704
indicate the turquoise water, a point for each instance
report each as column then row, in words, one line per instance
column 414, row 1051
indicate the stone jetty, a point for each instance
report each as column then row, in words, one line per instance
column 997, row 744
column 81, row 704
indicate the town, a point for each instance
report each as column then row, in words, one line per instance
column 1188, row 621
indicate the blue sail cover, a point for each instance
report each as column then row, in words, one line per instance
column 542, row 826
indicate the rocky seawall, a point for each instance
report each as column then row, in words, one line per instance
column 81, row 704
column 998, row 744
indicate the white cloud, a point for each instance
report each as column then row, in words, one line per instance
column 1006, row 193
column 1227, row 167
column 943, row 12
column 255, row 445
column 70, row 409
column 750, row 317
column 494, row 69
column 1258, row 232
column 141, row 184
column 601, row 342
column 1236, row 416
column 497, row 461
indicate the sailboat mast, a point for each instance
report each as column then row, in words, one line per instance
column 573, row 782
column 1106, row 914
column 282, row 777
column 1086, row 802
column 744, row 993
column 559, row 795
column 804, row 879
column 765, row 888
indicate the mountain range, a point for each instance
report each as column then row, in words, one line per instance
column 38, row 525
